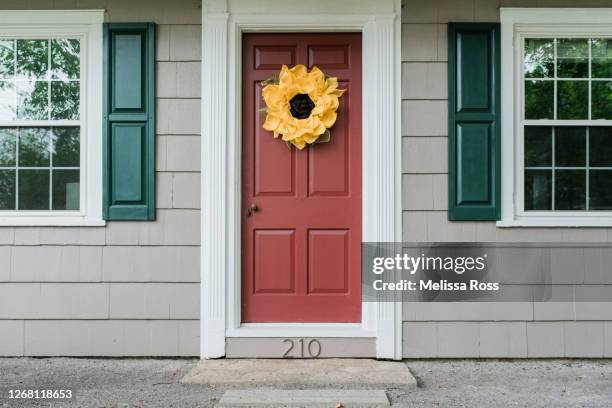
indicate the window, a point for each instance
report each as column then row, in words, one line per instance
column 560, row 118
column 50, row 131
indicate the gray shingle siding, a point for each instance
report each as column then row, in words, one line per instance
column 130, row 288
column 507, row 329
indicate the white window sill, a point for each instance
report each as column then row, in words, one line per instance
column 17, row 221
column 559, row 222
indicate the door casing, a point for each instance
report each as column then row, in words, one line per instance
column 222, row 28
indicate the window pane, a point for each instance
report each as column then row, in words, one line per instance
column 539, row 99
column 33, row 147
column 570, row 190
column 7, row 58
column 570, row 146
column 538, row 146
column 572, row 58
column 33, row 189
column 65, row 58
column 8, row 99
column 66, row 190
column 538, row 190
column 572, row 100
column 32, row 100
column 601, row 100
column 64, row 100
column 7, row 189
column 539, row 58
column 8, row 146
column 66, row 147
column 600, row 146
column 32, row 58
column 600, row 190
column 601, row 54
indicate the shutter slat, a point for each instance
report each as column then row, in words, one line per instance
column 474, row 122
column 129, row 121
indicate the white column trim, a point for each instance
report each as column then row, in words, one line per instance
column 214, row 212
column 380, row 24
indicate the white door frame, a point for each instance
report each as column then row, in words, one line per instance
column 223, row 23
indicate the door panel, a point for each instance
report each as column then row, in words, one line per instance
column 270, row 56
column 274, row 164
column 328, row 253
column 329, row 56
column 274, row 268
column 328, row 169
column 301, row 248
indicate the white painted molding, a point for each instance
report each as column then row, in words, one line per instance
column 560, row 16
column 507, row 116
column 214, row 218
column 223, row 24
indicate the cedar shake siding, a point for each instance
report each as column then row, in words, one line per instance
column 130, row 288
column 504, row 329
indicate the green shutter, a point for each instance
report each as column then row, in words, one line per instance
column 474, row 122
column 129, row 121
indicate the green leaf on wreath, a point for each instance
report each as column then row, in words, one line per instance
column 325, row 137
column 274, row 80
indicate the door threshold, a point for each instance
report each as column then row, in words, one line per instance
column 301, row 330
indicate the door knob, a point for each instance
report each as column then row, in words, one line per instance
column 253, row 208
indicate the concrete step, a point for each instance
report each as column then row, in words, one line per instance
column 304, row 398
column 311, row 373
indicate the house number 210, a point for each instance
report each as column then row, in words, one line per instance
column 313, row 348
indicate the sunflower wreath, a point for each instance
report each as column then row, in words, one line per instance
column 300, row 105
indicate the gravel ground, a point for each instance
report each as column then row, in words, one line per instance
column 517, row 383
column 130, row 383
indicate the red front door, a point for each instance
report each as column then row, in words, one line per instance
column 301, row 249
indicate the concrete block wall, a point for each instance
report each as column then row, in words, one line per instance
column 130, row 288
column 508, row 329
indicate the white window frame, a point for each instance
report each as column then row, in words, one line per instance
column 87, row 26
column 516, row 24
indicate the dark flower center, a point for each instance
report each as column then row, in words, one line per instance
column 300, row 106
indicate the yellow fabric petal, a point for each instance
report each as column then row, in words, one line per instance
column 311, row 138
column 299, row 143
column 317, row 76
column 299, row 71
column 271, row 123
column 284, row 74
column 331, row 83
column 329, row 118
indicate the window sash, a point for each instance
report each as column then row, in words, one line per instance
column 17, row 123
column 520, row 67
column 80, row 123
column 519, row 84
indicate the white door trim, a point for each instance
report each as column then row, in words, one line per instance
column 223, row 23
